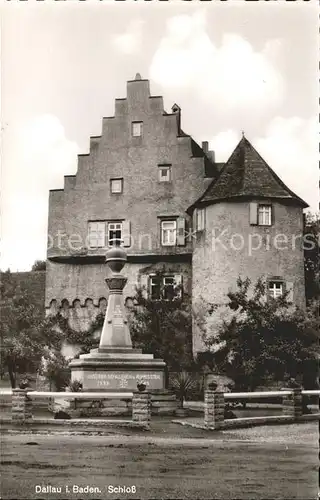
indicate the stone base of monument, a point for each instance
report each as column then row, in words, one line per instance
column 119, row 369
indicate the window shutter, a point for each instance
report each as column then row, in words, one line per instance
column 289, row 288
column 181, row 225
column 194, row 219
column 126, row 236
column 253, row 213
column 101, row 234
column 144, row 283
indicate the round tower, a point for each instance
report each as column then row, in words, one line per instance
column 249, row 224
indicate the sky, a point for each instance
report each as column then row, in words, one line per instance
column 231, row 67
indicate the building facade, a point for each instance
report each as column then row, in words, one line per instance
column 149, row 186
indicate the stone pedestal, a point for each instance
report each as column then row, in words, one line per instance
column 117, row 370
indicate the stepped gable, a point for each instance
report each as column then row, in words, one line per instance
column 246, row 174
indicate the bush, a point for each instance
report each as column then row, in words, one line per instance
column 182, row 383
column 75, row 386
column 57, row 371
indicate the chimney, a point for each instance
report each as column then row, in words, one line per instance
column 211, row 156
column 205, row 146
column 177, row 111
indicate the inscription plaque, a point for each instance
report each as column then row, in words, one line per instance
column 122, row 380
column 117, row 317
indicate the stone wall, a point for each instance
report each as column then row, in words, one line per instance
column 79, row 291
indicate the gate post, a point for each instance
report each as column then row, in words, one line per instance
column 141, row 407
column 292, row 403
column 21, row 406
column 214, row 409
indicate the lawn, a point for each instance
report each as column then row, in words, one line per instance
column 259, row 463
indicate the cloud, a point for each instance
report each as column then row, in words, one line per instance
column 130, row 41
column 289, row 146
column 47, row 151
column 46, row 155
column 233, row 73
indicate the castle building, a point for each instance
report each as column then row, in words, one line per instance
column 148, row 185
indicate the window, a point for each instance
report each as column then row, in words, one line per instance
column 116, row 185
column 164, row 173
column 165, row 287
column 155, row 288
column 114, row 233
column 200, row 219
column 275, row 289
column 260, row 214
column 168, row 288
column 168, row 232
column 264, row 215
column 137, row 129
column 96, row 234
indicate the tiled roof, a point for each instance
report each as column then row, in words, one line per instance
column 246, row 174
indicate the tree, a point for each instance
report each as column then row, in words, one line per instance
column 265, row 340
column 25, row 334
column 163, row 326
column 39, row 265
column 311, row 256
column 56, row 370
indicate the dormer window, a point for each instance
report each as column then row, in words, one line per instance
column 136, row 129
column 164, row 173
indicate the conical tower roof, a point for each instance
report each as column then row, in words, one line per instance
column 246, row 175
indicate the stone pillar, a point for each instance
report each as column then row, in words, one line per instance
column 292, row 404
column 115, row 331
column 141, row 407
column 21, row 409
column 214, row 409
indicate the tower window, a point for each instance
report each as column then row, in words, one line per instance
column 275, row 289
column 164, row 173
column 137, row 129
column 260, row 214
column 264, row 215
